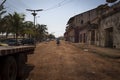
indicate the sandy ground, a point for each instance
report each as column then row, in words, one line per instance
column 67, row 62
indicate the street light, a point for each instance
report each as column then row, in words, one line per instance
column 34, row 10
column 34, row 13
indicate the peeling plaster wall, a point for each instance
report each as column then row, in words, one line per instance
column 89, row 37
column 97, row 37
column 85, row 17
column 111, row 21
column 71, row 36
column 82, row 37
column 93, row 14
column 116, row 24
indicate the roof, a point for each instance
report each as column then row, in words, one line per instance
column 70, row 20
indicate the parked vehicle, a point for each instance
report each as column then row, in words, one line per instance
column 11, row 42
column 28, row 41
column 3, row 44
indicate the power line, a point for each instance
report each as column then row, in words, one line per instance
column 25, row 5
column 12, row 7
column 55, row 6
column 62, row 3
column 15, row 8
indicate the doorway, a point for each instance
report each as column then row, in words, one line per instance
column 109, row 37
column 93, row 37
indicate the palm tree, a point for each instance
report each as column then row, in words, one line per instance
column 6, row 27
column 28, row 29
column 12, row 23
column 2, row 8
column 2, row 11
column 17, row 23
column 2, row 2
column 41, row 31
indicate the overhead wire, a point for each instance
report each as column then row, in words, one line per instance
column 25, row 5
column 60, row 4
column 15, row 8
column 12, row 7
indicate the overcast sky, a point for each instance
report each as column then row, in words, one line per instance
column 55, row 13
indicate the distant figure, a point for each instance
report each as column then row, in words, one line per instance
column 58, row 41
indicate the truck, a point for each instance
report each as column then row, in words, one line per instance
column 13, row 60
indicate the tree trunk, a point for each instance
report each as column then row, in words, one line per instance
column 16, row 38
column 7, row 35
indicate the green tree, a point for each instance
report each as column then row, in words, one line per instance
column 51, row 36
column 41, row 31
column 16, row 21
column 6, row 27
column 28, row 29
column 2, row 9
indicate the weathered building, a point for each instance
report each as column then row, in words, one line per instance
column 99, row 26
column 110, row 28
column 72, row 31
column 77, row 26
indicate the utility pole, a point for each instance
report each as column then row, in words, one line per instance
column 34, row 13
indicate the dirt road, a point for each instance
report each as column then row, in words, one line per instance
column 67, row 62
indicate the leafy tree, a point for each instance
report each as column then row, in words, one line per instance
column 17, row 23
column 28, row 29
column 6, row 27
column 2, row 9
column 41, row 31
column 12, row 23
column 3, row 2
column 51, row 36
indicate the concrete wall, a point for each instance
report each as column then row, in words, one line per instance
column 93, row 15
column 78, row 20
column 114, row 22
column 71, row 35
column 85, row 17
column 83, row 36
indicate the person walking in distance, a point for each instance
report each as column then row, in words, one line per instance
column 58, row 41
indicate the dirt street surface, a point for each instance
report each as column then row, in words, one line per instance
column 67, row 62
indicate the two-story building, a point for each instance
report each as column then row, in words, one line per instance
column 99, row 26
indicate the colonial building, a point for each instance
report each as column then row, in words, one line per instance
column 109, row 28
column 72, row 31
column 99, row 26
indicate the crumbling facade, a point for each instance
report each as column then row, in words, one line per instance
column 99, row 26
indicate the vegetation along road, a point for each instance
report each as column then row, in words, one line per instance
column 67, row 62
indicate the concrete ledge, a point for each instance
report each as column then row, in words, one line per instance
column 104, row 52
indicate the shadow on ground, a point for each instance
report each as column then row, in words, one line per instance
column 28, row 69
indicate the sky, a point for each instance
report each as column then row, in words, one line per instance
column 55, row 14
